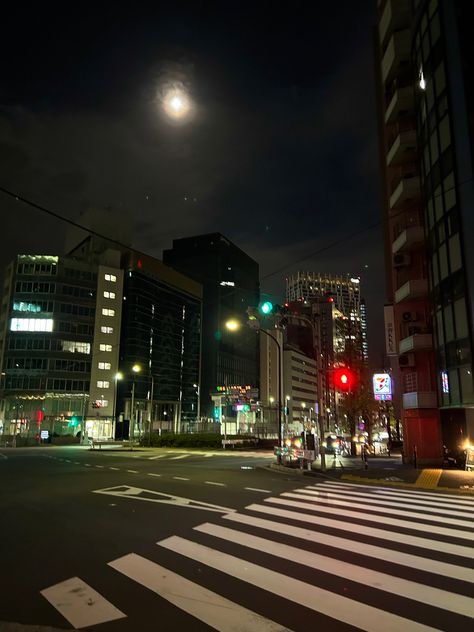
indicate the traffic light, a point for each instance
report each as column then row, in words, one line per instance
column 265, row 308
column 344, row 379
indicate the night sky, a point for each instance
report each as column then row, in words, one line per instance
column 279, row 154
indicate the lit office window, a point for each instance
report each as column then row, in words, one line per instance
column 108, row 312
column 104, row 365
column 106, row 330
column 109, row 294
column 105, row 347
column 111, row 277
column 31, row 324
column 103, row 384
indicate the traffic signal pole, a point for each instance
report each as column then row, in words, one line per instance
column 280, row 408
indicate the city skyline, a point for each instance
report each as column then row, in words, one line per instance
column 280, row 155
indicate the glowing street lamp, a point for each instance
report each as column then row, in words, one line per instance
column 136, row 368
column 232, row 325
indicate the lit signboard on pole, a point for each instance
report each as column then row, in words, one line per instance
column 382, row 386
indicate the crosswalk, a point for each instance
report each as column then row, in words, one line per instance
column 174, row 455
column 339, row 555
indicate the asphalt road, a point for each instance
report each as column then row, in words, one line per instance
column 196, row 540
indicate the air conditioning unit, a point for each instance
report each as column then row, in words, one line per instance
column 406, row 360
column 401, row 259
column 409, row 317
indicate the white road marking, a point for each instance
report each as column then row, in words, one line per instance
column 318, row 599
column 151, row 496
column 114, row 468
column 180, row 478
column 422, row 593
column 86, row 464
column 100, row 466
column 207, row 606
column 180, row 456
column 213, row 483
column 80, row 604
column 208, row 454
column 373, row 532
column 370, row 550
column 151, row 474
column 256, row 489
column 366, row 515
column 364, row 498
column 409, row 492
column 68, row 461
column 4, row 457
column 366, row 506
column 132, row 471
column 159, row 456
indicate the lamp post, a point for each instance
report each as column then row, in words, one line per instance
column 150, row 420
column 136, row 368
column 118, row 376
column 233, row 325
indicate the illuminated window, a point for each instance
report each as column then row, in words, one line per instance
column 108, row 312
column 31, row 324
column 104, row 365
column 110, row 277
column 75, row 347
column 107, row 330
column 109, row 294
column 105, row 347
column 103, row 384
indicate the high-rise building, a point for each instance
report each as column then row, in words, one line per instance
column 424, row 55
column 230, row 284
column 344, row 291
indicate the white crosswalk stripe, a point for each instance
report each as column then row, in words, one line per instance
column 341, row 567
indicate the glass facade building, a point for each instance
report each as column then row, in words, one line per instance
column 161, row 334
column 230, row 281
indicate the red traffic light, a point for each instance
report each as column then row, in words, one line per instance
column 344, row 379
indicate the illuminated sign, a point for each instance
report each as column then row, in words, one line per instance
column 382, row 383
column 444, row 382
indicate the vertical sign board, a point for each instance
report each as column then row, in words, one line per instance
column 390, row 340
column 382, row 386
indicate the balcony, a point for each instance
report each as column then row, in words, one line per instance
column 395, row 15
column 397, row 52
column 402, row 149
column 410, row 238
column 401, row 101
column 416, row 342
column 420, row 399
column 413, row 289
column 407, row 189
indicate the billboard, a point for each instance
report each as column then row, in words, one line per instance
column 382, row 386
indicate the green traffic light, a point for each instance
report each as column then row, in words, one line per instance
column 266, row 307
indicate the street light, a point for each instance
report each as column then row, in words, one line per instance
column 233, row 325
column 136, row 368
column 118, row 376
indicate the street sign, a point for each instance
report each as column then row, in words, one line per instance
column 44, row 434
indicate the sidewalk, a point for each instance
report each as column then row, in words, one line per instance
column 389, row 471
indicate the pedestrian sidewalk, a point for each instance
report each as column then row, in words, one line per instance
column 388, row 471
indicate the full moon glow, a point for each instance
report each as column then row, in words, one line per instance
column 176, row 104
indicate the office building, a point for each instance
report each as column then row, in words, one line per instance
column 424, row 59
column 230, row 284
column 51, row 344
